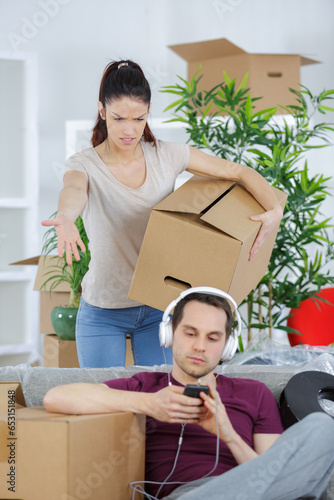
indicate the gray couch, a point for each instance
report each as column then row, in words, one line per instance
column 38, row 380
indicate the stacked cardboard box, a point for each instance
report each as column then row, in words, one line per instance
column 57, row 352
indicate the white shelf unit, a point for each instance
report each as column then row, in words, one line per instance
column 18, row 206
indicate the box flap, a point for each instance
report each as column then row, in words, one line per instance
column 306, row 60
column 281, row 196
column 195, row 195
column 220, row 47
column 47, row 266
column 231, row 213
column 32, row 261
column 46, row 263
column 208, row 49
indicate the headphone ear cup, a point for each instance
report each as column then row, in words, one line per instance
column 230, row 348
column 166, row 334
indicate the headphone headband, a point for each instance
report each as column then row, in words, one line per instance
column 199, row 289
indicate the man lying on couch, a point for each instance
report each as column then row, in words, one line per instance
column 232, row 446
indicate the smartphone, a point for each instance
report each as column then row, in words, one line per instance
column 193, row 391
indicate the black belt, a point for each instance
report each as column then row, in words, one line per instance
column 302, row 395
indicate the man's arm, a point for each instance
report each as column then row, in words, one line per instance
column 262, row 442
column 240, row 450
column 167, row 405
column 86, row 398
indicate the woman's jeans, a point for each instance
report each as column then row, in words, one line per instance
column 101, row 336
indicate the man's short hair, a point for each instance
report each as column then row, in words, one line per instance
column 204, row 298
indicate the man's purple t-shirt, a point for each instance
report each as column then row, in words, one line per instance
column 251, row 408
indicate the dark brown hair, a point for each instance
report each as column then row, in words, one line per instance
column 122, row 79
column 204, row 298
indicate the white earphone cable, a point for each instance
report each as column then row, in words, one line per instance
column 176, row 459
column 136, row 485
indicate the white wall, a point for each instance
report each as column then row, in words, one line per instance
column 75, row 39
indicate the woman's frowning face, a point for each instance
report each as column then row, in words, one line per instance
column 125, row 120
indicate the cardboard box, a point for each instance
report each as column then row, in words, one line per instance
column 60, row 353
column 270, row 75
column 201, row 235
column 11, row 398
column 69, row 457
column 59, row 295
column 63, row 353
column 6, row 389
column 129, row 356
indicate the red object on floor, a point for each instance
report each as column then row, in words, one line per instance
column 314, row 321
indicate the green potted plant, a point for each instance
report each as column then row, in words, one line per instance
column 63, row 318
column 275, row 146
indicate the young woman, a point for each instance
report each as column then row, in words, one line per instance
column 114, row 185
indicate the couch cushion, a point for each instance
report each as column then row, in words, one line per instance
column 36, row 381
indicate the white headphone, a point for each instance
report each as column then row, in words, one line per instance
column 166, row 329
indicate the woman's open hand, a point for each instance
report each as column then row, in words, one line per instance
column 68, row 237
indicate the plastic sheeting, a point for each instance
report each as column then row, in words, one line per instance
column 264, row 351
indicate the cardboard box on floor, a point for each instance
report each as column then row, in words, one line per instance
column 60, row 353
column 63, row 353
column 201, row 235
column 53, row 456
column 270, row 75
